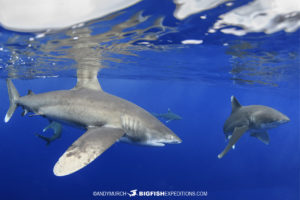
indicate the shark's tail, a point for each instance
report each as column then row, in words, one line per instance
column 13, row 97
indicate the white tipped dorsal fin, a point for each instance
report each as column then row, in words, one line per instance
column 234, row 104
column 88, row 78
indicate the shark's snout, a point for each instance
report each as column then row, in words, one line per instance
column 173, row 139
column 285, row 119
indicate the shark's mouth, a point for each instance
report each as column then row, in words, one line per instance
column 161, row 143
column 156, row 143
column 164, row 142
column 271, row 125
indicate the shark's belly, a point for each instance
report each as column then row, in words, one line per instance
column 135, row 129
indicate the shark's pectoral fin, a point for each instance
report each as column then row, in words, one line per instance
column 237, row 133
column 262, row 136
column 228, row 138
column 169, row 120
column 86, row 149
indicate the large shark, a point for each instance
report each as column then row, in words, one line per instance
column 106, row 118
column 168, row 116
column 254, row 118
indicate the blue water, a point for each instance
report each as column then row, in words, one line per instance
column 195, row 81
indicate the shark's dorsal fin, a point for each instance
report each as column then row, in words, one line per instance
column 88, row 78
column 234, row 104
column 169, row 110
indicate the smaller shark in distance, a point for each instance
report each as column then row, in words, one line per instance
column 168, row 116
column 256, row 119
column 57, row 128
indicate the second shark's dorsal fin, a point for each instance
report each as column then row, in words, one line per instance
column 169, row 110
column 234, row 104
column 88, row 78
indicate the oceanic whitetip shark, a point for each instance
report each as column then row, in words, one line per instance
column 57, row 128
column 168, row 116
column 256, row 119
column 106, row 118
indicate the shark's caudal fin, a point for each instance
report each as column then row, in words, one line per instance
column 13, row 96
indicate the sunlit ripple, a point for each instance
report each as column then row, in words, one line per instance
column 138, row 44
